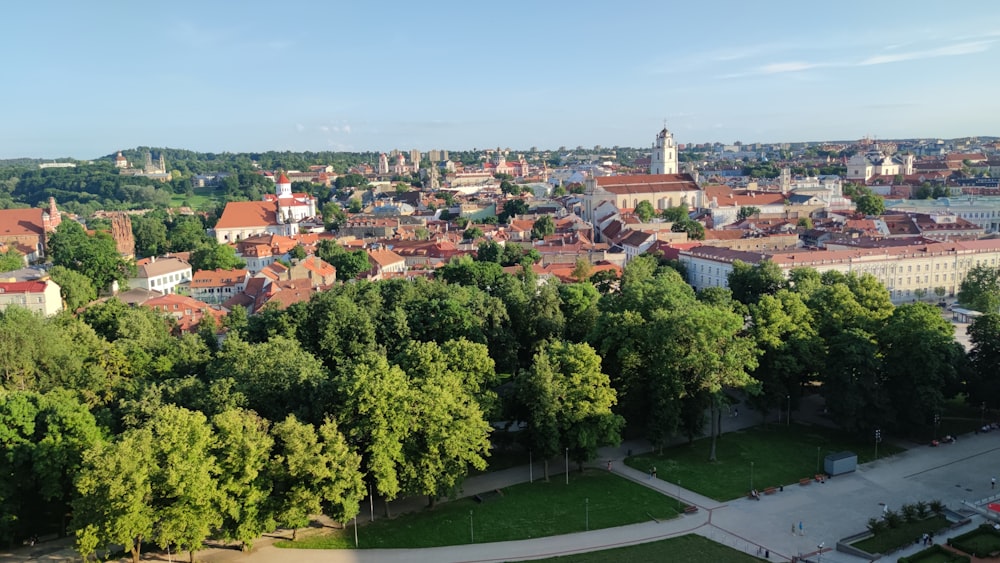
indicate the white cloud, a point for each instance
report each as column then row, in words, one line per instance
column 299, row 127
column 957, row 49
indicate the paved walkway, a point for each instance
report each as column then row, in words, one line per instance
column 828, row 511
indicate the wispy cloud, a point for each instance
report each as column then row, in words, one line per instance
column 953, row 50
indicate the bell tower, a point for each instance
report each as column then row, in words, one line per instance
column 664, row 157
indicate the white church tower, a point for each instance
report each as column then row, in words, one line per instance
column 664, row 158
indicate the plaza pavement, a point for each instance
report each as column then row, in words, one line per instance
column 828, row 511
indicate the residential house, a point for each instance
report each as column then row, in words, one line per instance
column 28, row 229
column 385, row 264
column 186, row 311
column 162, row 274
column 216, row 286
column 39, row 296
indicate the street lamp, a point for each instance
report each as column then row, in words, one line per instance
column 937, row 423
column 751, row 476
column 586, row 504
column 472, row 534
column 788, row 421
column 817, row 459
column 878, row 438
column 567, row 466
column 982, row 415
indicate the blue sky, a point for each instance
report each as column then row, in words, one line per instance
column 84, row 79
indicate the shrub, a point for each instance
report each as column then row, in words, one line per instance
column 923, row 510
column 909, row 513
column 893, row 519
column 937, row 507
column 875, row 526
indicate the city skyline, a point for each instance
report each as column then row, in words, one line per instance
column 84, row 82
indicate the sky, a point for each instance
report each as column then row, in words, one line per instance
column 84, row 79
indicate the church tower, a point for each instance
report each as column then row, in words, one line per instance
column 664, row 158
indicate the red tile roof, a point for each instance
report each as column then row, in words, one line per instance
column 240, row 214
column 647, row 183
column 20, row 222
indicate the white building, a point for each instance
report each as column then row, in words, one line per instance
column 292, row 207
column 160, row 274
column 865, row 166
column 903, row 270
column 39, row 296
column 664, row 157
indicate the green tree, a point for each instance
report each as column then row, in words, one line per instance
column 644, row 211
column 674, row 214
column 349, row 264
column 313, row 473
column 694, row 229
column 543, row 227
column 870, row 204
column 983, row 385
column 333, row 216
column 186, row 234
column 298, row 252
column 215, row 256
column 11, row 260
column 472, row 233
column 746, row 212
column 567, row 402
column 150, row 233
column 751, row 282
column 76, row 289
column 93, row 256
column 804, row 222
column 980, row 290
column 115, row 502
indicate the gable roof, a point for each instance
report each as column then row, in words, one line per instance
column 20, row 222
column 239, row 214
column 152, row 267
column 647, row 183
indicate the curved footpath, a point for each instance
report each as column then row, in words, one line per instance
column 828, row 511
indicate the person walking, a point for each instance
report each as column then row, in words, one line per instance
column 993, row 482
column 654, row 472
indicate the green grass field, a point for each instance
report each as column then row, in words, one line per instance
column 935, row 554
column 689, row 549
column 984, row 540
column 203, row 198
column 775, row 455
column 529, row 510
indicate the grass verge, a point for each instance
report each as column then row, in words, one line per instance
column 767, row 456
column 594, row 498
column 690, row 549
column 935, row 554
column 893, row 538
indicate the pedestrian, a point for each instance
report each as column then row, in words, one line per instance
column 736, row 413
column 993, row 482
column 609, row 465
column 650, row 472
column 801, row 533
column 654, row 472
column 793, row 528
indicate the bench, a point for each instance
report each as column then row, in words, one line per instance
column 770, row 491
column 805, row 481
column 690, row 509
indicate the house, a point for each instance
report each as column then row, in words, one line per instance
column 215, row 286
column 162, row 274
column 186, row 312
column 292, row 207
column 39, row 296
column 385, row 263
column 260, row 251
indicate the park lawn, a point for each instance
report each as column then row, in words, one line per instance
column 690, row 549
column 983, row 541
column 935, row 554
column 781, row 455
column 203, row 198
column 529, row 510
column 894, row 538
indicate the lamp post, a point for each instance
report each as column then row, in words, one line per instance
column 472, row 534
column 982, row 415
column 878, row 438
column 531, row 476
column 751, row 475
column 567, row 466
column 586, row 505
column 788, row 421
column 678, row 495
column 817, row 459
column 937, row 423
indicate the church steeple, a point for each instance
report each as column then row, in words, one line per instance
column 664, row 157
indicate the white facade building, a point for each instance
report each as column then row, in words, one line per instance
column 664, row 157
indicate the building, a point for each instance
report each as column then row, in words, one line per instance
column 664, row 157
column 242, row 219
column 29, row 228
column 216, row 286
column 625, row 192
column 292, row 207
column 876, row 162
column 906, row 271
column 41, row 296
column 186, row 312
column 161, row 274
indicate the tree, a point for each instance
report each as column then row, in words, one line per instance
column 746, row 212
column 567, row 403
column 115, row 499
column 186, row 234
column 644, row 210
column 377, row 420
column 983, row 384
column 11, row 260
column 215, row 256
column 150, row 233
column 93, row 256
column 694, row 229
column 489, row 251
column 675, row 214
column 76, row 289
column 333, row 216
column 543, row 227
column 349, row 264
column 512, row 208
column 298, row 252
column 313, row 473
column 980, row 290
column 750, row 282
column 870, row 204
column 582, row 269
column 453, row 434
column 472, row 233
column 804, row 222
